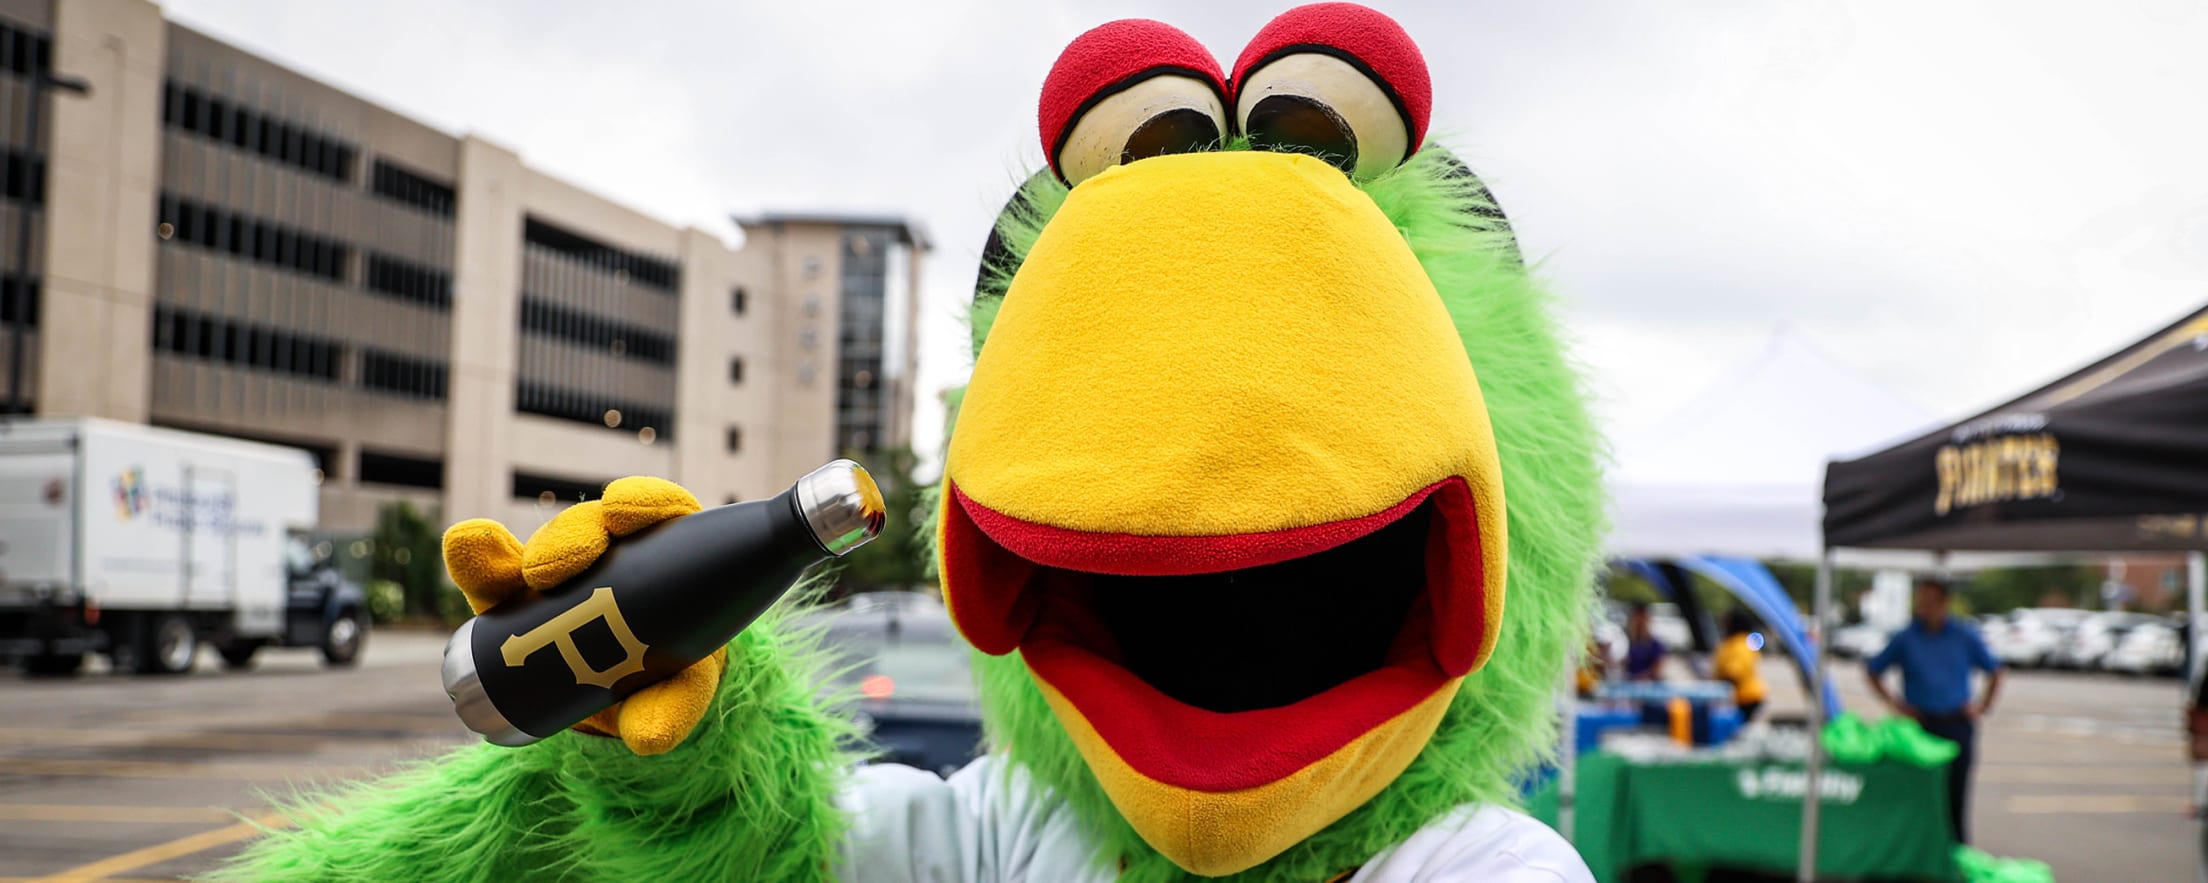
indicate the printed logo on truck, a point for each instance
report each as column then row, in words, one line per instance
column 178, row 508
column 130, row 494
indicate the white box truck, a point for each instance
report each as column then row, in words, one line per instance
column 146, row 543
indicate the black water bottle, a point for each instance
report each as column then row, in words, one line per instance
column 656, row 602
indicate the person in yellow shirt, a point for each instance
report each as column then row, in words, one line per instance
column 1736, row 661
column 1594, row 666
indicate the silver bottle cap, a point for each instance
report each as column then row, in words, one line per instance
column 466, row 689
column 841, row 504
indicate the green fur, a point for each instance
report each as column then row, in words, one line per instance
column 755, row 797
column 1502, row 722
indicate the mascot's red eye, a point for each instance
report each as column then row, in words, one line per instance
column 1338, row 81
column 1129, row 90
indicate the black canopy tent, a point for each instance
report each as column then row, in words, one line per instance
column 2112, row 458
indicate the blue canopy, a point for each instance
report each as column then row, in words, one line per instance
column 1752, row 583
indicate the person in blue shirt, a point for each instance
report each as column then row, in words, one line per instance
column 1644, row 655
column 1936, row 654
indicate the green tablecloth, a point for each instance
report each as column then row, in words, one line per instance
column 1879, row 821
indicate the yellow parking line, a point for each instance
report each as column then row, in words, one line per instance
column 287, row 742
column 73, row 812
column 2063, row 804
column 428, row 722
column 105, row 868
column 101, row 879
column 150, row 769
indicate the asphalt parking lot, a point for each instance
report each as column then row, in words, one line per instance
column 2084, row 771
column 105, row 777
column 108, row 777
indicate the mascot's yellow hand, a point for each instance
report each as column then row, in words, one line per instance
column 490, row 565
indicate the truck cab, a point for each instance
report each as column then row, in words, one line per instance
column 322, row 609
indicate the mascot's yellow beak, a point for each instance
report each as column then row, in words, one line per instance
column 1224, row 477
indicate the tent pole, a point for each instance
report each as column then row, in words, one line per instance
column 2196, row 597
column 1567, row 767
column 1820, row 606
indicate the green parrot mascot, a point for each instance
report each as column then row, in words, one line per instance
column 1271, row 511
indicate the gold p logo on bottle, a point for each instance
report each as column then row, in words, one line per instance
column 560, row 630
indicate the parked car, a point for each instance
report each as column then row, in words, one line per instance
column 1860, row 641
column 2031, row 636
column 2095, row 637
column 911, row 675
column 1665, row 623
column 2151, row 648
column 1611, row 638
column 1669, row 626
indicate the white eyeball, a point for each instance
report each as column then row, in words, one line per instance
column 1317, row 103
column 1167, row 113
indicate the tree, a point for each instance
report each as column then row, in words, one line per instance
column 407, row 551
column 899, row 558
column 1800, row 582
column 1999, row 589
column 1626, row 587
column 1993, row 590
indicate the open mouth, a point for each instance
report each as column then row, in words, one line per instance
column 1227, row 662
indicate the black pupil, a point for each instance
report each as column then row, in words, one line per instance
column 1180, row 130
column 1295, row 124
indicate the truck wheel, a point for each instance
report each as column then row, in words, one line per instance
column 169, row 647
column 343, row 638
column 237, row 655
column 53, row 664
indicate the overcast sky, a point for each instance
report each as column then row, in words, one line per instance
column 1957, row 200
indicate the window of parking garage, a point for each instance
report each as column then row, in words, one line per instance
column 222, row 340
column 579, row 406
column 554, row 489
column 411, row 189
column 325, row 456
column 402, row 375
column 200, row 112
column 401, row 470
column 656, row 273
column 22, row 177
column 542, row 317
column 408, row 281
column 24, row 51
column 221, row 230
column 18, row 301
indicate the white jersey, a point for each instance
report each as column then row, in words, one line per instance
column 982, row 826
